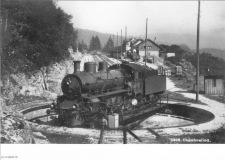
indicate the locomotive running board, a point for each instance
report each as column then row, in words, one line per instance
column 104, row 94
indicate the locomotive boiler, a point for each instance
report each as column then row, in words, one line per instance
column 89, row 97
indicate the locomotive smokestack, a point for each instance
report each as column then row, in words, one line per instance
column 76, row 66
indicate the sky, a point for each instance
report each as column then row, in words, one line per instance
column 163, row 16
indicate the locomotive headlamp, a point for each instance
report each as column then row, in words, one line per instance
column 134, row 102
column 129, row 84
column 74, row 106
column 53, row 104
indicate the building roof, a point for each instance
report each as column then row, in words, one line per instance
column 142, row 42
column 138, row 41
column 214, row 77
column 134, row 66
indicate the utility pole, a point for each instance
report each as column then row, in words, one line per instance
column 117, row 46
column 121, row 44
column 126, row 34
column 146, row 41
column 77, row 46
column 126, row 39
column 197, row 53
column 113, row 46
column 107, row 47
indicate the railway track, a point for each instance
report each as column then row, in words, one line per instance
column 96, row 60
column 131, row 127
column 110, row 62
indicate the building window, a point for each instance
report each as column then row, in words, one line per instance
column 148, row 47
column 214, row 82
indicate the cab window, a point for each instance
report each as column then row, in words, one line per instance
column 138, row 75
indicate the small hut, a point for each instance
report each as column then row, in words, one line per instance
column 214, row 85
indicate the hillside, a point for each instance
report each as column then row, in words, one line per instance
column 86, row 35
column 161, row 38
column 35, row 34
column 190, row 40
column 215, row 52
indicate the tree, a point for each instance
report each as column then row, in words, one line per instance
column 95, row 44
column 35, row 32
column 179, row 52
column 215, row 65
column 109, row 45
column 82, row 46
column 92, row 44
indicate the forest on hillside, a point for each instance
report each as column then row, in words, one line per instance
column 215, row 52
column 207, row 61
column 34, row 34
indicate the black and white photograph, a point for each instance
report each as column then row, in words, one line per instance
column 133, row 75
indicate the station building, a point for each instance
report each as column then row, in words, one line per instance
column 154, row 51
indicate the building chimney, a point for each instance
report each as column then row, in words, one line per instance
column 155, row 40
column 76, row 66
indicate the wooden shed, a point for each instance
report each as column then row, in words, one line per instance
column 214, row 85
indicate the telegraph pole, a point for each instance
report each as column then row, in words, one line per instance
column 126, row 39
column 113, row 46
column 146, row 41
column 121, row 44
column 117, row 46
column 77, row 46
column 197, row 53
column 126, row 34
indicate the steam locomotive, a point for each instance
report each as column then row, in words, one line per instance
column 133, row 56
column 90, row 96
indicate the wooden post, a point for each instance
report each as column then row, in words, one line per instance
column 113, row 46
column 101, row 135
column 121, row 45
column 146, row 46
column 117, row 47
column 126, row 34
column 146, row 41
column 124, row 135
column 197, row 53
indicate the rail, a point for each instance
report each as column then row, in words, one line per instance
column 110, row 62
column 96, row 60
column 125, row 129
